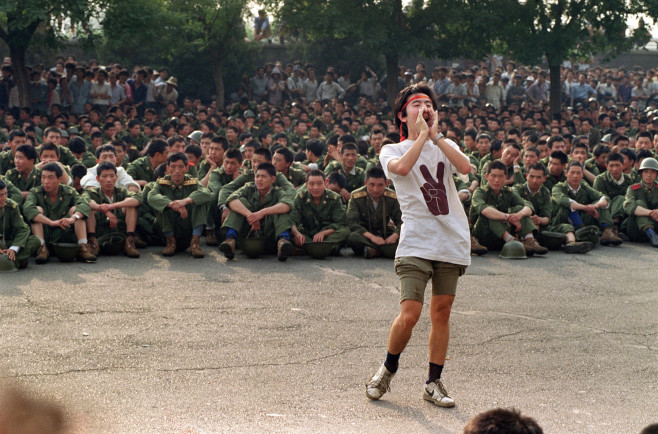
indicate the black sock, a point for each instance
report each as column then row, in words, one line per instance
column 392, row 361
column 130, row 234
column 435, row 372
column 91, row 235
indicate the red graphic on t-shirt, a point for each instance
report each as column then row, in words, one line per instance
column 434, row 192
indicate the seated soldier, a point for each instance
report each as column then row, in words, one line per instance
column 318, row 214
column 259, row 207
column 78, row 171
column 24, row 176
column 557, row 161
column 600, row 153
column 15, row 239
column 336, row 183
column 314, row 151
column 114, row 209
column 535, row 192
column 49, row 153
column 219, row 177
column 495, row 152
column 17, row 138
column 282, row 160
column 142, row 169
column 614, row 184
column 51, row 135
column 576, row 204
column 641, row 204
column 56, row 213
column 109, row 153
column 501, row 212
column 217, row 147
column 579, row 153
column 181, row 204
column 260, row 155
column 511, row 153
column 149, row 233
column 369, row 213
column 354, row 176
column 78, row 148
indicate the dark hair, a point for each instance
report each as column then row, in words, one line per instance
column 105, row 148
column 502, row 421
column 402, row 98
column 579, row 144
column 337, row 178
column 221, row 140
column 77, row 145
column 559, row 155
column 347, row 138
column 16, row 133
column 496, row 165
column 349, row 147
column 105, row 165
column 194, row 150
column 268, row 167
column 613, row 156
column 315, row 172
column 375, row 172
column 233, row 153
column 49, row 147
column 286, row 153
column 161, row 170
column 53, row 167
column 3, row 185
column 29, row 152
column 175, row 139
column 117, row 143
column 534, row 150
column 156, row 146
column 643, row 153
column 573, row 163
column 264, row 152
column 537, row 166
column 316, row 147
column 600, row 150
column 177, row 156
column 628, row 152
column 78, row 170
column 554, row 139
column 252, row 144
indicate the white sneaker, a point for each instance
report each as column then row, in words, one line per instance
column 436, row 393
column 379, row 383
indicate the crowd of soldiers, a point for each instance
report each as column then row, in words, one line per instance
column 306, row 170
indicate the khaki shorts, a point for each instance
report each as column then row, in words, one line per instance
column 415, row 272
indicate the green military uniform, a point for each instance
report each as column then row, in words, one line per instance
column 614, row 191
column 591, row 166
column 490, row 232
column 146, row 226
column 88, row 160
column 102, row 224
column 271, row 226
column 15, row 232
column 354, row 179
column 475, row 158
column 296, row 177
column 13, row 192
column 248, row 176
column 218, row 179
column 363, row 216
column 6, row 161
column 202, row 170
column 328, row 214
column 540, row 201
column 299, row 140
column 484, row 162
column 335, row 165
column 24, row 183
column 511, row 174
column 141, row 169
column 552, row 181
column 645, row 196
column 165, row 191
column 66, row 198
column 563, row 194
column 65, row 156
column 635, row 176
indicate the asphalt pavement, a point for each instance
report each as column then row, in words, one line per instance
column 201, row 345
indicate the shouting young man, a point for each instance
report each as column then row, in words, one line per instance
column 421, row 166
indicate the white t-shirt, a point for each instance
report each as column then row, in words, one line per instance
column 434, row 229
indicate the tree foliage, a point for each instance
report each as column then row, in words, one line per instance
column 567, row 29
column 20, row 20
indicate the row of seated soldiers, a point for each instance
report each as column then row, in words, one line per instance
column 521, row 191
column 156, row 201
column 289, row 203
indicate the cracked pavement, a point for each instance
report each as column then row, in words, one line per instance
column 183, row 345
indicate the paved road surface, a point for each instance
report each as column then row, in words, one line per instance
column 173, row 345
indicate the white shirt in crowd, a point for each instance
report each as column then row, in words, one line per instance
column 438, row 231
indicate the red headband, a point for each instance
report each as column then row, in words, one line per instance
column 417, row 96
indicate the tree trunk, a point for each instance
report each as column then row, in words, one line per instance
column 17, row 55
column 555, row 95
column 391, row 78
column 218, row 76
